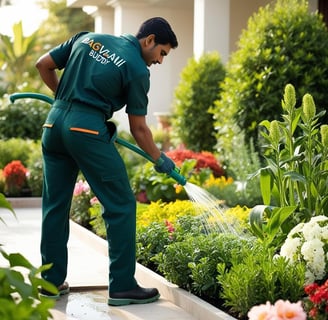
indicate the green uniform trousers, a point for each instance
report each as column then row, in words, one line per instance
column 75, row 137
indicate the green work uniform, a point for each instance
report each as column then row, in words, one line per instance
column 102, row 74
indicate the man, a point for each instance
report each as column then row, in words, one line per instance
column 102, row 74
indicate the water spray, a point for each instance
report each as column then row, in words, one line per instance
column 175, row 173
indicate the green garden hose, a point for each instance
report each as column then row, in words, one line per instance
column 174, row 173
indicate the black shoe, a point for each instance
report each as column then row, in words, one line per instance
column 62, row 289
column 138, row 295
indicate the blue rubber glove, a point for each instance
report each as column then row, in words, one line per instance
column 164, row 164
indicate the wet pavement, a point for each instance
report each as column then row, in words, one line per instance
column 88, row 276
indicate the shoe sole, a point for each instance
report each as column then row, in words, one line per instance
column 124, row 302
column 56, row 296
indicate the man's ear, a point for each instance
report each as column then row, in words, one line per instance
column 150, row 40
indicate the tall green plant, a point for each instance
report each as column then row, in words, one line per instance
column 283, row 43
column 192, row 123
column 296, row 153
column 296, row 175
column 17, row 57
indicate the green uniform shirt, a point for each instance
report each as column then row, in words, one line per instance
column 103, row 71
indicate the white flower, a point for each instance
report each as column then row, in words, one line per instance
column 307, row 243
column 290, row 248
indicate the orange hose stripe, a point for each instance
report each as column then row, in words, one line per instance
column 47, row 125
column 84, row 130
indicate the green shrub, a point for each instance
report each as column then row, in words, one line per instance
column 283, row 43
column 23, row 120
column 192, row 124
column 183, row 262
column 259, row 277
column 35, row 168
column 15, row 149
column 150, row 241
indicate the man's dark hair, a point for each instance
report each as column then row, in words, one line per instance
column 161, row 29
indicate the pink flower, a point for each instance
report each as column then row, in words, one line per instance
column 289, row 311
column 169, row 226
column 94, row 201
column 281, row 310
column 260, row 312
column 142, row 197
column 81, row 187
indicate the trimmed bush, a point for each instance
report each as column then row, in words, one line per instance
column 283, row 43
column 192, row 124
column 23, row 120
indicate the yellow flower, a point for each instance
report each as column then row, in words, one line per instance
column 220, row 182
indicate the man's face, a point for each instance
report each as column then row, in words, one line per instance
column 154, row 53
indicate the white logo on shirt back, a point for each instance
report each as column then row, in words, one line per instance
column 102, row 54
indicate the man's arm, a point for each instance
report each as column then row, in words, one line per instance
column 143, row 136
column 47, row 69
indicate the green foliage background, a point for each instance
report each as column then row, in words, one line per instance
column 192, row 124
column 283, row 43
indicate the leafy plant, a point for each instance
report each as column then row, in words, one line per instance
column 152, row 185
column 19, row 292
column 151, row 240
column 284, row 43
column 232, row 192
column 17, row 55
column 192, row 124
column 297, row 157
column 20, row 298
column 297, row 172
column 191, row 262
column 23, row 120
column 15, row 149
column 195, row 166
column 257, row 276
column 4, row 203
column 269, row 224
column 35, row 167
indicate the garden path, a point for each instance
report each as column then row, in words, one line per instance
column 87, row 272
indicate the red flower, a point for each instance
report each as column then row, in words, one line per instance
column 317, row 302
column 169, row 226
column 15, row 177
column 204, row 159
column 311, row 288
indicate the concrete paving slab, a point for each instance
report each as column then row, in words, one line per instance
column 87, row 272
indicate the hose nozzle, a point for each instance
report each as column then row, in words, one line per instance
column 175, row 174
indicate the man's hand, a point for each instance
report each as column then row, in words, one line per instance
column 164, row 164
